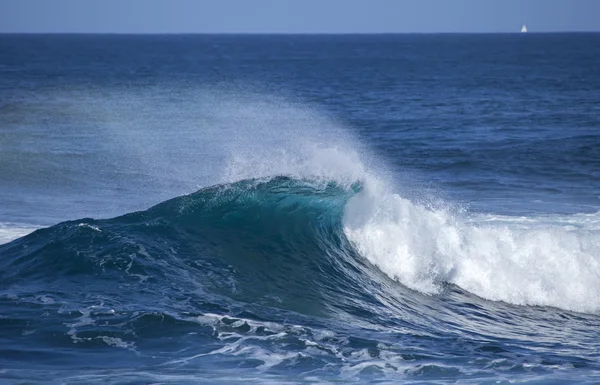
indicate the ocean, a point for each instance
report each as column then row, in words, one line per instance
column 299, row 209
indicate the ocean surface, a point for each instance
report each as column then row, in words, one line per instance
column 300, row 209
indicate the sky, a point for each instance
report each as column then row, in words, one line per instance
column 296, row 16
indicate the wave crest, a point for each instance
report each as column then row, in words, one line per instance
column 551, row 261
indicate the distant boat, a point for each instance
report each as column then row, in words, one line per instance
column 524, row 28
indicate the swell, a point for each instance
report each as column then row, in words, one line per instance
column 308, row 245
column 276, row 242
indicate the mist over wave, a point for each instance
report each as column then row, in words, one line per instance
column 414, row 238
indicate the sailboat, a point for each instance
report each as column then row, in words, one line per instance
column 524, row 28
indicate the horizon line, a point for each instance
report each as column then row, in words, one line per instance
column 297, row 33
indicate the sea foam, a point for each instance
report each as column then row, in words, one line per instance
column 545, row 261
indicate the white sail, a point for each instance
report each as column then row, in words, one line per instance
column 524, row 28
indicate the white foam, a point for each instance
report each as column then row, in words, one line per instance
column 548, row 261
column 95, row 228
column 117, row 342
column 272, row 348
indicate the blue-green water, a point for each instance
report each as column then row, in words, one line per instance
column 300, row 209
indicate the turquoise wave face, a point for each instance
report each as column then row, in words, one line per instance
column 275, row 243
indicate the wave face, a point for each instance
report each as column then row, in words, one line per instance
column 314, row 276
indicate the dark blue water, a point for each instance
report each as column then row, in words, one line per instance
column 300, row 209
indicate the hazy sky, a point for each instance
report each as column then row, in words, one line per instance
column 297, row 16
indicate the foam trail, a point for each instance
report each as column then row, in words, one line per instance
column 526, row 261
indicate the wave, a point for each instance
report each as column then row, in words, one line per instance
column 275, row 242
column 303, row 244
column 300, row 216
column 333, row 273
